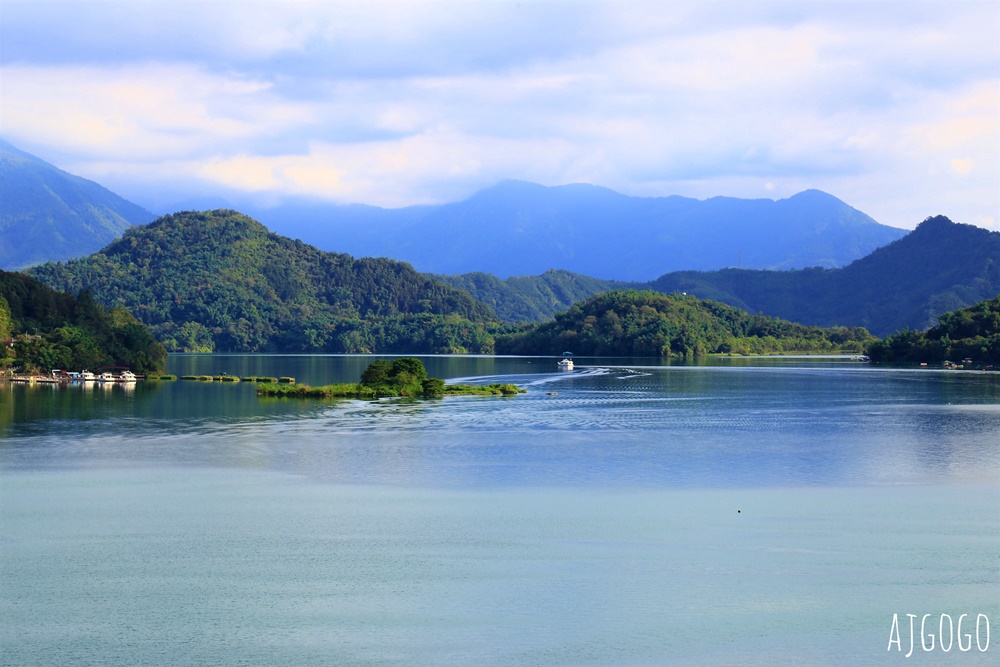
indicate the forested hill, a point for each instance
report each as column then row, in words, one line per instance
column 41, row 329
column 939, row 267
column 530, row 298
column 646, row 323
column 219, row 281
column 47, row 214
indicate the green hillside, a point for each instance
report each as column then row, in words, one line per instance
column 41, row 329
column 968, row 333
column 530, row 298
column 938, row 267
column 47, row 214
column 647, row 323
column 219, row 281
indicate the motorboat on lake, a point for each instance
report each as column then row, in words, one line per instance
column 106, row 376
column 565, row 365
column 127, row 376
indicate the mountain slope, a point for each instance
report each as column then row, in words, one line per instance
column 518, row 228
column 646, row 323
column 938, row 267
column 220, row 281
column 530, row 298
column 47, row 214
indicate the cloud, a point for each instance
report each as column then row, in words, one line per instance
column 892, row 107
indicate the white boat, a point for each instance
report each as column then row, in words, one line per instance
column 126, row 376
column 87, row 376
column 566, row 365
column 106, row 376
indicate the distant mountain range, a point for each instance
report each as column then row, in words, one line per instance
column 551, row 246
column 518, row 228
column 220, row 281
column 939, row 267
column 47, row 214
column 512, row 229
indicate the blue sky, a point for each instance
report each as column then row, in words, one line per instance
column 893, row 106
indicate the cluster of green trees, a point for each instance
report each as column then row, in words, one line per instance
column 219, row 281
column 646, row 323
column 406, row 376
column 967, row 333
column 41, row 329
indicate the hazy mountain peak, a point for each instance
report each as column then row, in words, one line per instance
column 518, row 228
column 47, row 214
column 815, row 196
column 8, row 149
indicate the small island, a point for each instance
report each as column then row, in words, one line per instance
column 405, row 376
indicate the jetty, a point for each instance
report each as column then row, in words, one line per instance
column 58, row 376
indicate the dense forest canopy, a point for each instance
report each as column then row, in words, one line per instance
column 530, row 298
column 968, row 333
column 647, row 323
column 219, row 281
column 42, row 329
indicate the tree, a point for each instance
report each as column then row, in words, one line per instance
column 377, row 373
column 433, row 387
column 6, row 322
column 407, row 370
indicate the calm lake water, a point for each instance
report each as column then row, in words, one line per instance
column 736, row 512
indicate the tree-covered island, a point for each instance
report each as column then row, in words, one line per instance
column 405, row 376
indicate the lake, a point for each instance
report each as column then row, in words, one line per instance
column 768, row 511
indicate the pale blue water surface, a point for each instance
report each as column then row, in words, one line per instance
column 737, row 512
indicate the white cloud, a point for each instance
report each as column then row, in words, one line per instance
column 894, row 107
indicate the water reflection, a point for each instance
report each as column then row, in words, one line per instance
column 775, row 422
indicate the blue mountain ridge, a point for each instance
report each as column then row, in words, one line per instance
column 514, row 228
column 517, row 228
column 47, row 214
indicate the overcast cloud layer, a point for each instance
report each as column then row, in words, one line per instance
column 893, row 106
